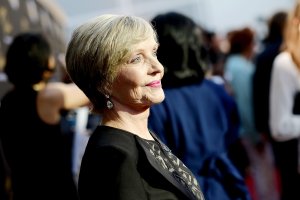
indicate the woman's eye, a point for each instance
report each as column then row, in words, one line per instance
column 136, row 60
column 155, row 53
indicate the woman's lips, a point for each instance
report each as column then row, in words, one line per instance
column 154, row 84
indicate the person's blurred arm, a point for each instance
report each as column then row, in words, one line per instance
column 58, row 96
column 70, row 95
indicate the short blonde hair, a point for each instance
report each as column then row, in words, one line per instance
column 99, row 47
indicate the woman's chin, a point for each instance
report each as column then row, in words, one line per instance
column 159, row 99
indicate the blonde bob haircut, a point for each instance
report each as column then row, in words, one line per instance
column 97, row 50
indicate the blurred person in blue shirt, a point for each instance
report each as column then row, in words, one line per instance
column 192, row 120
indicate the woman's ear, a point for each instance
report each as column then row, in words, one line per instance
column 51, row 64
column 48, row 73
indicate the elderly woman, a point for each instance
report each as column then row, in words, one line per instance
column 113, row 60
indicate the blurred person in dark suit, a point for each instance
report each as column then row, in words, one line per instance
column 262, row 75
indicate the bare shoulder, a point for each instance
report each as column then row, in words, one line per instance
column 51, row 94
column 67, row 95
column 49, row 103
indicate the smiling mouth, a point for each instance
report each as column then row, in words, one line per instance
column 154, row 84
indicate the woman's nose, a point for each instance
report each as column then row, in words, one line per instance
column 156, row 66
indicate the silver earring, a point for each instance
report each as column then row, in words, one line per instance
column 109, row 104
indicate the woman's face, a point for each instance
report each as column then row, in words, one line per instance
column 138, row 84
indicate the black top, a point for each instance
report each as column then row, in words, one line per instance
column 34, row 150
column 118, row 165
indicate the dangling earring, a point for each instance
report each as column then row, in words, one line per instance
column 109, row 104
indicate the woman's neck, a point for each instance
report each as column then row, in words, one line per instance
column 296, row 59
column 136, row 124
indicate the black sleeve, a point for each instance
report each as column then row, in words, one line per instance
column 109, row 173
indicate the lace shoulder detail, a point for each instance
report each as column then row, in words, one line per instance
column 173, row 165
